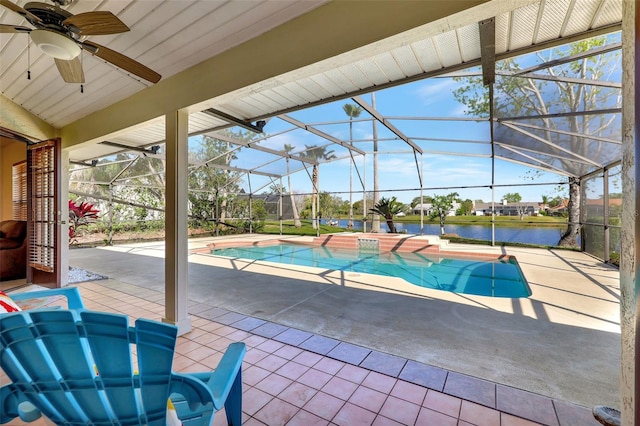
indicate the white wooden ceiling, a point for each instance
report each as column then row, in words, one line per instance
column 170, row 36
column 167, row 36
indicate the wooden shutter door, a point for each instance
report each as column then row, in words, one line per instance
column 43, row 213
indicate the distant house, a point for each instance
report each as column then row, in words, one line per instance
column 559, row 210
column 427, row 208
column 527, row 208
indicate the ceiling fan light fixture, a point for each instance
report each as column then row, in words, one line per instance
column 55, row 44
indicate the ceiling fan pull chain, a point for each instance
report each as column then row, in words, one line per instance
column 82, row 66
column 29, row 58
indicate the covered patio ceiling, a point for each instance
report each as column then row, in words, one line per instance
column 442, row 49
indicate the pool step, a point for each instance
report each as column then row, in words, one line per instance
column 386, row 242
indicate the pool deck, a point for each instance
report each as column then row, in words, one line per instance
column 562, row 343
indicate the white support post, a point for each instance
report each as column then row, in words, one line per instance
column 176, row 248
column 630, row 235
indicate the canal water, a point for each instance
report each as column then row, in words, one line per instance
column 529, row 234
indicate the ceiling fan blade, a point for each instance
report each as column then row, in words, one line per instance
column 96, row 23
column 122, row 61
column 20, row 11
column 71, row 71
column 13, row 29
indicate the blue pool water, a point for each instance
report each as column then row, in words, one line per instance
column 480, row 277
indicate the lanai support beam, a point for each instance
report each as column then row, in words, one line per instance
column 375, row 114
column 176, row 250
column 320, row 133
column 487, row 29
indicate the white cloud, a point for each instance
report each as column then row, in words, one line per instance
column 433, row 91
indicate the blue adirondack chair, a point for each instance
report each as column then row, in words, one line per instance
column 75, row 367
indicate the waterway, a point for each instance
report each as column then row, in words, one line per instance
column 530, row 234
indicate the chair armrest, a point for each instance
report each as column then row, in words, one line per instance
column 74, row 301
column 202, row 388
column 11, row 407
column 221, row 380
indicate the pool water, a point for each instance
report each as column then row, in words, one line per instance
column 495, row 278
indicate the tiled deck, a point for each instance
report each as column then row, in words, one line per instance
column 293, row 377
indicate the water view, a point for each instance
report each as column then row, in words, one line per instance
column 530, row 234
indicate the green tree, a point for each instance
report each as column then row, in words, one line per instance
column 124, row 185
column 441, row 206
column 545, row 200
column 353, row 111
column 555, row 201
column 545, row 204
column 512, row 197
column 466, row 207
column 521, row 96
column 425, row 199
column 212, row 185
column 330, row 205
column 388, row 207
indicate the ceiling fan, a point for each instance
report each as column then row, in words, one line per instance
column 62, row 35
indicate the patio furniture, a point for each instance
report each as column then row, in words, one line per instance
column 29, row 299
column 75, row 367
column 13, row 249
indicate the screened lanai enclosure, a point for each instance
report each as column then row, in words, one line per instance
column 474, row 111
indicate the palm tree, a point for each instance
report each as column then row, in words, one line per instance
column 388, row 207
column 315, row 153
column 296, row 217
column 375, row 225
column 545, row 202
column 353, row 111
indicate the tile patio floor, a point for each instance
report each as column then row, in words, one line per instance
column 293, row 377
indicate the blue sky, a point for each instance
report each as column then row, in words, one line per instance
column 466, row 143
column 398, row 172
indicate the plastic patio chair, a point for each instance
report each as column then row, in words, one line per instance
column 75, row 368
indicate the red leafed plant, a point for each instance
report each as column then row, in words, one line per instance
column 80, row 215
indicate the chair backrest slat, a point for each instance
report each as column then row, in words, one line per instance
column 51, row 365
column 108, row 337
column 155, row 345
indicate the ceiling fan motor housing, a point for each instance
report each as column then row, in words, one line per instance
column 63, row 2
column 55, row 44
column 52, row 36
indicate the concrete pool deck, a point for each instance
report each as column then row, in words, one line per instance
column 563, row 342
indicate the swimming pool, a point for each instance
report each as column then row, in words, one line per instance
column 495, row 278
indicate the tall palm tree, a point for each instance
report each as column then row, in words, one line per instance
column 375, row 225
column 353, row 111
column 316, row 153
column 388, row 207
column 296, row 217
